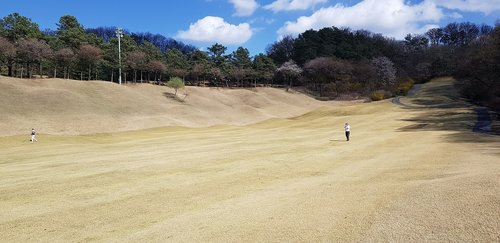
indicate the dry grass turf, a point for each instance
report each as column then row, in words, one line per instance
column 409, row 174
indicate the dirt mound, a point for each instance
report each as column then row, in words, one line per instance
column 57, row 106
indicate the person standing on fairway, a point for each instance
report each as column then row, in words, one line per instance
column 347, row 129
column 33, row 135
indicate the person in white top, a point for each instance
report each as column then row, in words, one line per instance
column 33, row 135
column 347, row 129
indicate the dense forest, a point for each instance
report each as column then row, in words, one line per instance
column 327, row 63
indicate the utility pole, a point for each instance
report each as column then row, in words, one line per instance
column 119, row 34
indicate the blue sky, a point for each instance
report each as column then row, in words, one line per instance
column 254, row 24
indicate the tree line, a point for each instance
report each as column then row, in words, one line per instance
column 329, row 63
column 73, row 52
column 338, row 61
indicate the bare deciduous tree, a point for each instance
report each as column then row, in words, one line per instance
column 64, row 57
column 290, row 70
column 7, row 54
column 136, row 61
column 158, row 68
column 366, row 74
column 197, row 71
column 327, row 70
column 89, row 55
column 33, row 51
column 386, row 71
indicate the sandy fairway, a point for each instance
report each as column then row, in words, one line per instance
column 411, row 173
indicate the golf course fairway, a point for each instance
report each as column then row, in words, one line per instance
column 411, row 172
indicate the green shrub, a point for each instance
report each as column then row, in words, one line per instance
column 379, row 95
column 175, row 83
column 405, row 86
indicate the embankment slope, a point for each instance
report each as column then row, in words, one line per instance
column 57, row 106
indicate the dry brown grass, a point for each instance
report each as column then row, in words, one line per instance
column 56, row 106
column 280, row 180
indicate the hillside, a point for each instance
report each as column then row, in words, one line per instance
column 57, row 106
column 412, row 172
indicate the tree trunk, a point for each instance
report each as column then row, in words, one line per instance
column 336, row 89
column 22, row 70
column 55, row 72
column 10, row 67
column 90, row 68
column 41, row 72
column 112, row 72
column 28, row 70
column 135, row 75
column 125, row 76
column 141, row 76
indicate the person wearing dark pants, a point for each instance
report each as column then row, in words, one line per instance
column 347, row 129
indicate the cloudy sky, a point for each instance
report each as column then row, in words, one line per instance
column 254, row 24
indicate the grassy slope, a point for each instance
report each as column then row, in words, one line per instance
column 406, row 176
column 57, row 106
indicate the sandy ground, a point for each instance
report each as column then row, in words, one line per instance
column 412, row 173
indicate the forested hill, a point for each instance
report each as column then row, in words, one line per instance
column 329, row 63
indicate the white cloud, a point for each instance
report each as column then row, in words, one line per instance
column 244, row 7
column 215, row 29
column 262, row 20
column 455, row 15
column 484, row 6
column 288, row 5
column 392, row 18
